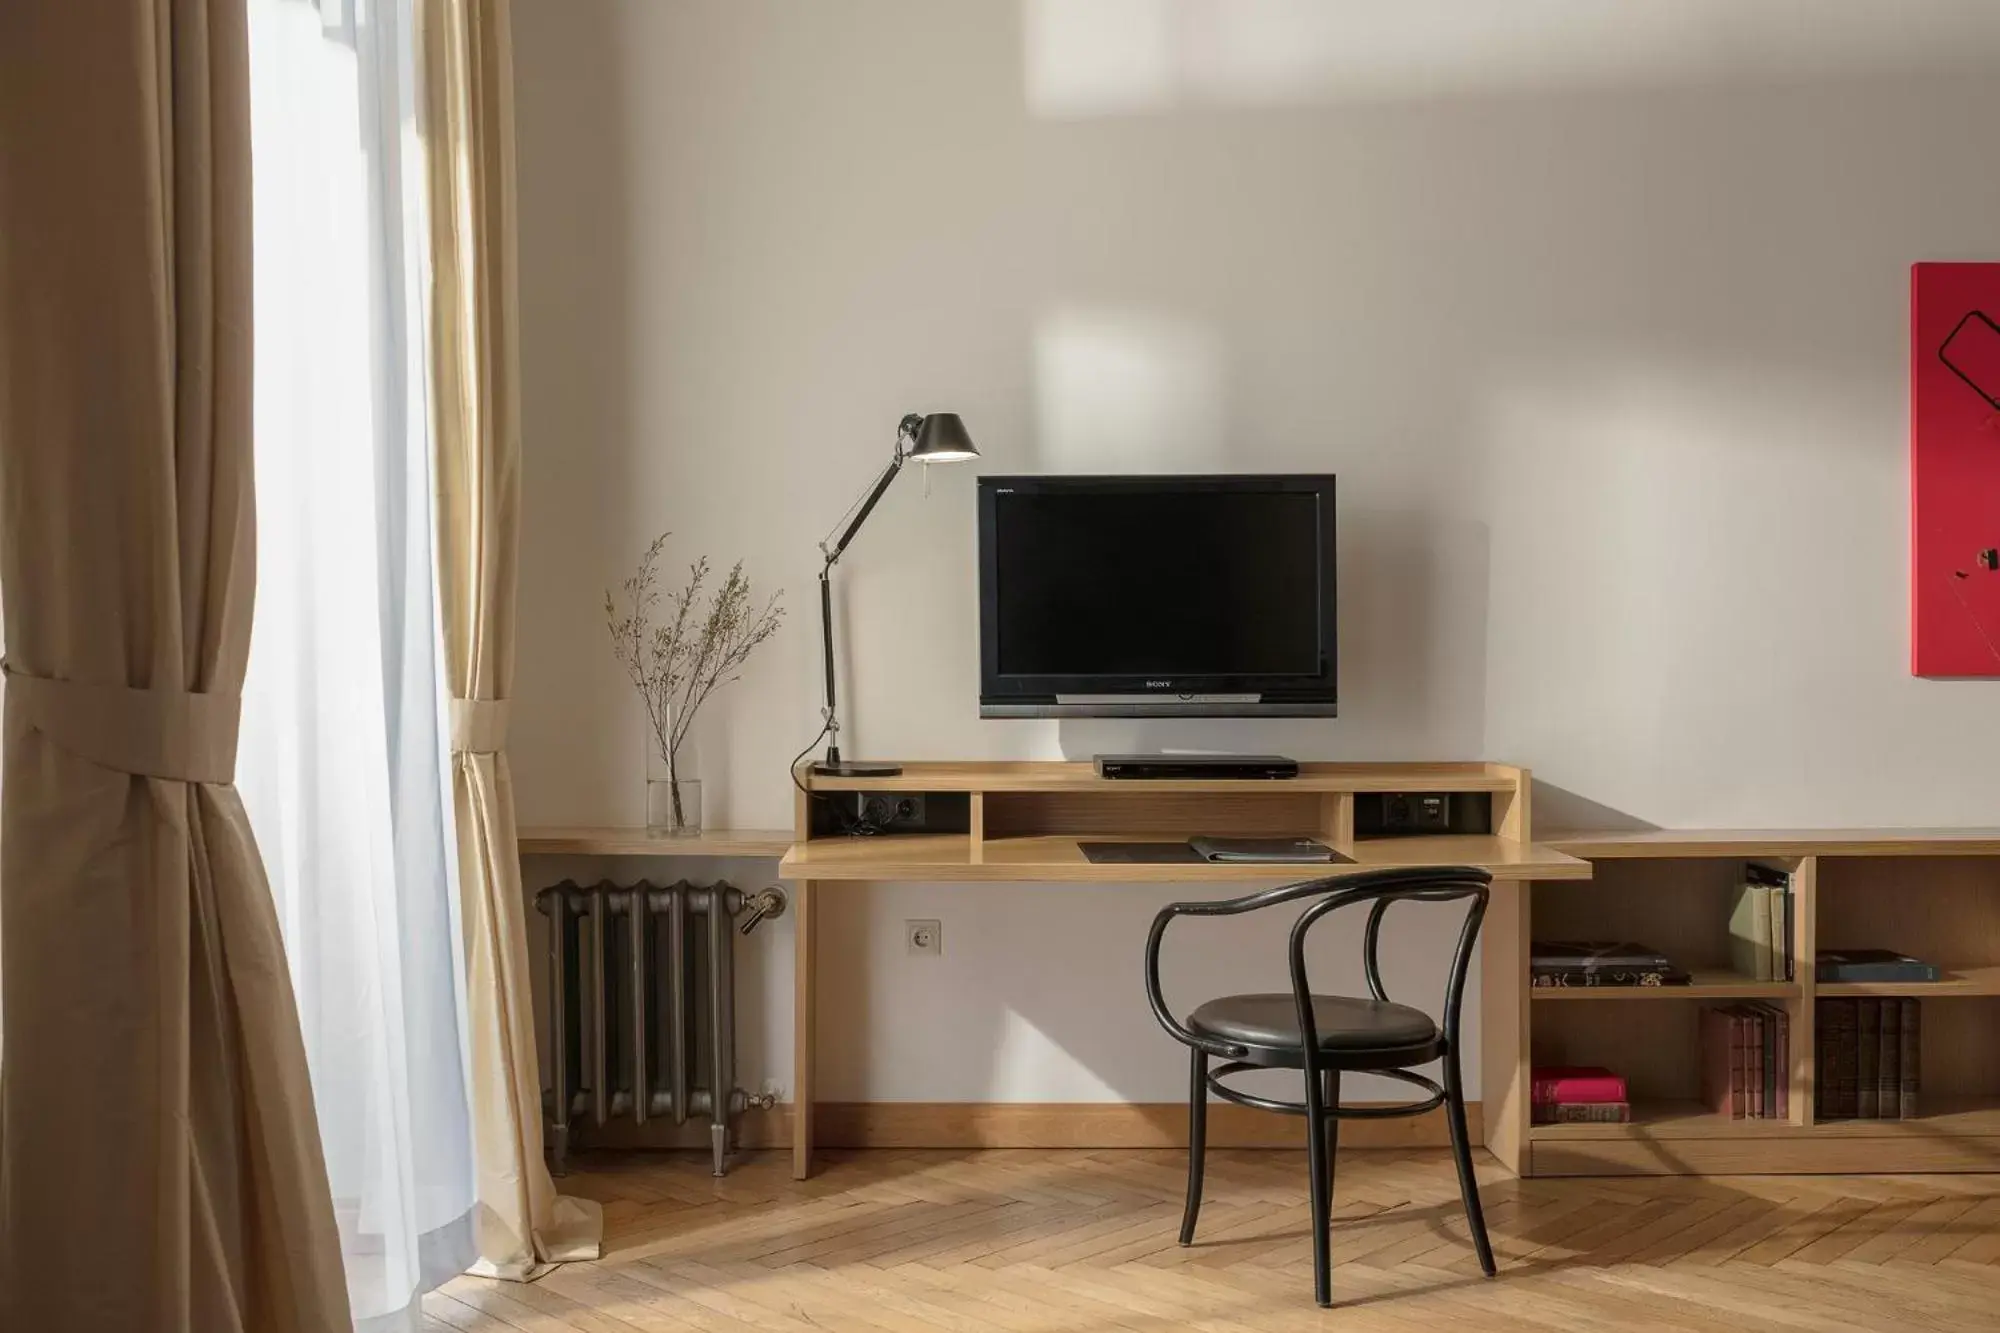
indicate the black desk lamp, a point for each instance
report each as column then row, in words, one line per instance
column 937, row 438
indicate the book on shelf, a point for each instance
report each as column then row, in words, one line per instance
column 1581, row 1113
column 1745, row 1061
column 1750, row 932
column 1575, row 1084
column 1844, row 1067
column 1560, row 963
column 1784, row 1061
column 1908, row 1062
column 1753, row 1065
column 1870, row 1058
column 1889, row 1061
column 1882, row 965
column 1781, row 954
column 1760, row 925
column 1867, row 1060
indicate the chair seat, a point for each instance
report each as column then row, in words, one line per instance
column 1344, row 1024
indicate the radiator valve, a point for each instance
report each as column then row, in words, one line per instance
column 771, row 902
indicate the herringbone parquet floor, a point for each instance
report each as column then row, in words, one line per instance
column 1024, row 1241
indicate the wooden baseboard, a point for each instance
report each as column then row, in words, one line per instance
column 1032, row 1125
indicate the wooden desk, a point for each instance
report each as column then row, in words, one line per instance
column 1026, row 818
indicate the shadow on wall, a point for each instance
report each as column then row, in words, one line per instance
column 1559, row 811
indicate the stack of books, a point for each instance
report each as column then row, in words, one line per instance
column 1556, row 963
column 1760, row 925
column 1579, row 1095
column 1746, row 1056
column 1870, row 1059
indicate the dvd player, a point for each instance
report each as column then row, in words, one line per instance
column 1196, row 767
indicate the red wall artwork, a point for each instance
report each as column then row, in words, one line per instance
column 1955, row 469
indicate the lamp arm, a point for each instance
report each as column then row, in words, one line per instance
column 830, row 713
column 833, row 549
column 906, row 433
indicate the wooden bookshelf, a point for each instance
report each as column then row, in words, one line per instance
column 1931, row 893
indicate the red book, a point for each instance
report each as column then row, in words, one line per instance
column 1570, row 1086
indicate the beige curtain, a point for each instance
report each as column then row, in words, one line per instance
column 466, row 54
column 160, row 1167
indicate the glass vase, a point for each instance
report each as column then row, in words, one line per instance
column 673, row 808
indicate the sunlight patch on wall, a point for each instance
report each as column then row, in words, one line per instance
column 1026, row 1057
column 1128, row 391
column 1121, row 57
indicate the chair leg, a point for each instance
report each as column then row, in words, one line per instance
column 1330, row 1083
column 1319, row 1165
column 1197, row 1140
column 1461, row 1151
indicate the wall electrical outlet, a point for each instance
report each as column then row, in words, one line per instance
column 924, row 937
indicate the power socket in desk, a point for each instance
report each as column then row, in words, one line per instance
column 1410, row 814
column 890, row 812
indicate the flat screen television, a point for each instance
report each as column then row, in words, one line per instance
column 1191, row 596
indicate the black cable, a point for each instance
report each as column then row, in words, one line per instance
column 794, row 769
column 848, row 823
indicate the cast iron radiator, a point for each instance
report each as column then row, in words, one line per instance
column 641, row 987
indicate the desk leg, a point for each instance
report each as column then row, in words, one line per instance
column 1504, row 1055
column 805, row 907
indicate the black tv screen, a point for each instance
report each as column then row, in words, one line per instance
column 1134, row 596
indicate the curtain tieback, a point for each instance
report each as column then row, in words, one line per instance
column 172, row 734
column 479, row 726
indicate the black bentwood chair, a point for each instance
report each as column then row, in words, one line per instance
column 1325, row 1036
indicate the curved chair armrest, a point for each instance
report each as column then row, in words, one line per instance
column 1439, row 884
column 1249, row 902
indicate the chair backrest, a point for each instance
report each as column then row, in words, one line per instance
column 1329, row 894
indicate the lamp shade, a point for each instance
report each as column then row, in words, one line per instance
column 942, row 439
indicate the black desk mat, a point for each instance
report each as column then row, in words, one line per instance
column 1181, row 854
column 1140, row 853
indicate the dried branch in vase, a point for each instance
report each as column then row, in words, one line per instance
column 679, row 653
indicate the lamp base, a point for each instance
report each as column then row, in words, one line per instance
column 855, row 768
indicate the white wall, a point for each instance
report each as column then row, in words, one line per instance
column 1598, row 315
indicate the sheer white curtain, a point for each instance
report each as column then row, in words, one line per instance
column 344, row 753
